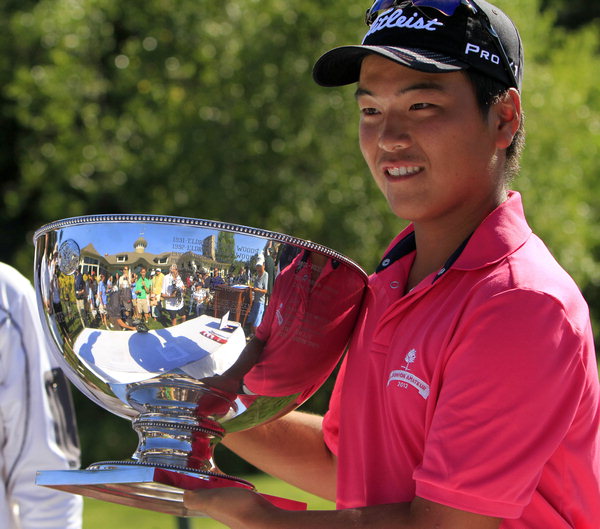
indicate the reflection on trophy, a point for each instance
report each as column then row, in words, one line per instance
column 190, row 329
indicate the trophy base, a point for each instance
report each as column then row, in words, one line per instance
column 146, row 486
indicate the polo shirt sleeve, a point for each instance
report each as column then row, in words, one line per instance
column 511, row 379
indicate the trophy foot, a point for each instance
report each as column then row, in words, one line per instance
column 146, row 486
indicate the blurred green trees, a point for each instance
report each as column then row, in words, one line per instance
column 573, row 13
column 207, row 109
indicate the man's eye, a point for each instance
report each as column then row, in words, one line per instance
column 368, row 111
column 420, row 106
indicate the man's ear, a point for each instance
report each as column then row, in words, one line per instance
column 507, row 112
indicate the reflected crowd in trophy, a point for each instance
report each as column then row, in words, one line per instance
column 143, row 296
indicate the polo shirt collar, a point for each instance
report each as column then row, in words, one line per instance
column 501, row 233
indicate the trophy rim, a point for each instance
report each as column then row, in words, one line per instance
column 200, row 223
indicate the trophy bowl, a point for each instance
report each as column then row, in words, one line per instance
column 190, row 329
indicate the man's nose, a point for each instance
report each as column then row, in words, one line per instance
column 394, row 134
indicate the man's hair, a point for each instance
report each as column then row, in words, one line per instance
column 488, row 92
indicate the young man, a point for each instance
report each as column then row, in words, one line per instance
column 469, row 397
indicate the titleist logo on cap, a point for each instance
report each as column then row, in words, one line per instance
column 397, row 19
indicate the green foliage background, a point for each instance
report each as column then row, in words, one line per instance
column 207, row 109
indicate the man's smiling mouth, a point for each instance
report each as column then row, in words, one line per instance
column 403, row 171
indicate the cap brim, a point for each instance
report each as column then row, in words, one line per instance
column 341, row 66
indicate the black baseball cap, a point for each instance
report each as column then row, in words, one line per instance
column 433, row 36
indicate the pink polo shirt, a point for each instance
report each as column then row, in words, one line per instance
column 477, row 390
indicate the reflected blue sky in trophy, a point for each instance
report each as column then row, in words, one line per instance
column 160, row 238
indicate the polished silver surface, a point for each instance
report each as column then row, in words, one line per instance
column 171, row 345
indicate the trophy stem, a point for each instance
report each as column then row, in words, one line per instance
column 175, row 443
column 178, row 422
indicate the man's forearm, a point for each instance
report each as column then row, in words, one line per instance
column 242, row 509
column 418, row 514
column 292, row 449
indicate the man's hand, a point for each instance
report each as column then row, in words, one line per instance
column 234, row 507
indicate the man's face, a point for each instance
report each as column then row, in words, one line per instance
column 143, row 272
column 430, row 150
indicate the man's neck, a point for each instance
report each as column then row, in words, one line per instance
column 435, row 243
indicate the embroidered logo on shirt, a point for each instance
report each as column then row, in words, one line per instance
column 410, row 357
column 405, row 378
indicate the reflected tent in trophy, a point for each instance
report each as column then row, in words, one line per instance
column 190, row 371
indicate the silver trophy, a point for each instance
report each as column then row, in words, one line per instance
column 154, row 319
